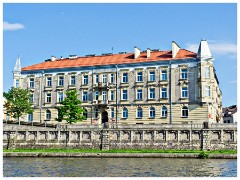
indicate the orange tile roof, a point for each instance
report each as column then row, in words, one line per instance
column 110, row 60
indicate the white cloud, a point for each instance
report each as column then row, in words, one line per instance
column 216, row 48
column 233, row 81
column 12, row 27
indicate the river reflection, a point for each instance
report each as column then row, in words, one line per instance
column 118, row 167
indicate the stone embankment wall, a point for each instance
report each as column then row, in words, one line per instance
column 165, row 136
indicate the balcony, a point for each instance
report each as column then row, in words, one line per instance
column 100, row 102
column 101, row 85
column 72, row 86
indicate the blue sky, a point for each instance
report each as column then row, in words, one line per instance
column 38, row 31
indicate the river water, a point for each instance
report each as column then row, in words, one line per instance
column 118, row 167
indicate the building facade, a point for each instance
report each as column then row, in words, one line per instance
column 230, row 114
column 148, row 87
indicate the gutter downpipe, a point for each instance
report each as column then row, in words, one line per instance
column 92, row 97
column 170, row 89
column 116, row 96
column 41, row 86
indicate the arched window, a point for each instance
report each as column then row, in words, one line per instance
column 164, row 111
column 152, row 112
column 185, row 111
column 125, row 113
column 48, row 114
column 85, row 114
column 139, row 113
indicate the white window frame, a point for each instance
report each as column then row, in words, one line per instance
column 163, row 75
column 48, row 114
column 85, row 79
column 125, row 113
column 139, row 94
column 184, row 75
column 123, row 92
column 112, row 78
column 207, row 91
column 152, row 77
column 48, row 98
column 207, row 72
column 152, row 112
column 152, row 93
column 104, row 95
column 58, row 96
column 125, row 78
column 73, row 80
column 96, row 113
column 49, row 81
column 164, row 111
column 140, row 76
column 97, row 78
column 96, row 95
column 84, row 96
column 183, row 90
column 61, row 81
column 31, row 82
column 112, row 95
column 17, row 83
column 164, row 94
column 104, row 78
column 185, row 111
column 112, row 112
column 139, row 114
column 31, row 98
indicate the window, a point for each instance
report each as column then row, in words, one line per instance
column 60, row 96
column 73, row 80
column 125, row 113
column 104, row 78
column 112, row 112
column 31, row 82
column 17, row 82
column 139, row 113
column 139, row 77
column 48, row 97
column 152, row 76
column 164, row 111
column 184, row 73
column 185, row 111
column 139, row 94
column 112, row 95
column 199, row 91
column 164, row 75
column 124, row 94
column 97, row 78
column 125, row 78
column 60, row 81
column 30, row 117
column 48, row 114
column 85, row 79
column 206, row 72
column 164, row 93
column 207, row 91
column 184, row 92
column 104, row 95
column 152, row 112
column 49, row 81
column 31, row 98
column 85, row 96
column 96, row 113
column 112, row 78
column 199, row 72
column 96, row 95
column 151, row 93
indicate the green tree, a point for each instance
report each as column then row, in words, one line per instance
column 17, row 102
column 70, row 111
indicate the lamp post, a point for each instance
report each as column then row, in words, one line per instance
column 191, row 136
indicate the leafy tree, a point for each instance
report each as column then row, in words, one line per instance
column 17, row 102
column 70, row 110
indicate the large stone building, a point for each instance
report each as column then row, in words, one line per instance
column 148, row 87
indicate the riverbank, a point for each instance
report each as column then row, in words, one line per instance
column 123, row 153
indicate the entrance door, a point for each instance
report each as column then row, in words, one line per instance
column 104, row 116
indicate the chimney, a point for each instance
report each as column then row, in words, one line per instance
column 175, row 49
column 53, row 58
column 136, row 52
column 148, row 53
